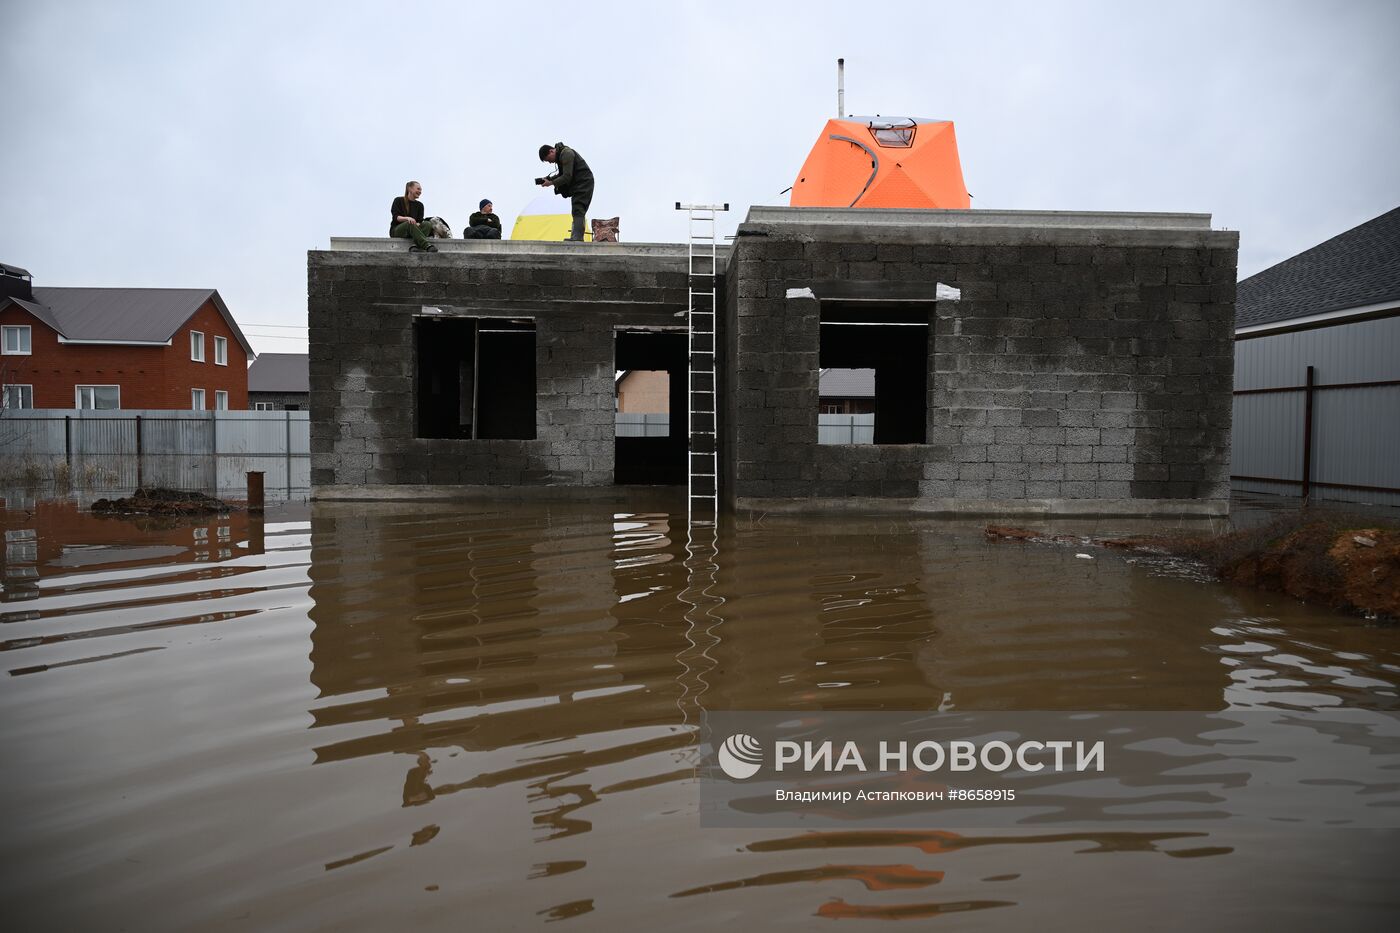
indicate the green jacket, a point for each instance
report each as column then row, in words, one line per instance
column 573, row 175
column 478, row 219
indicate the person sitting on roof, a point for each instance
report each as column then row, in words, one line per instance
column 406, row 219
column 572, row 179
column 484, row 224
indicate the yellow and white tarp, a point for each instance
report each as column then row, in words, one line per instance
column 547, row 217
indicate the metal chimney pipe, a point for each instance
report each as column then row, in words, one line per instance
column 840, row 89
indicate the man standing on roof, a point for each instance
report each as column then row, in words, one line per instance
column 572, row 179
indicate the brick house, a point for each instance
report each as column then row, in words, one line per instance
column 279, row 382
column 847, row 391
column 644, row 391
column 135, row 348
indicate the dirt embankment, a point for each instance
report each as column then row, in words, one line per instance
column 1344, row 561
column 157, row 501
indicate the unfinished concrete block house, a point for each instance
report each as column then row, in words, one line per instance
column 1075, row 363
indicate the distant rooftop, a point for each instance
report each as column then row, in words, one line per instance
column 1354, row 269
column 847, row 383
column 122, row 315
column 280, row 372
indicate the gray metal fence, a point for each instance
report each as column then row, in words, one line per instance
column 846, row 429
column 207, row 451
column 1336, row 441
column 633, row 424
column 1317, row 413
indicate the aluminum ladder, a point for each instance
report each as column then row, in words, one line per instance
column 702, row 472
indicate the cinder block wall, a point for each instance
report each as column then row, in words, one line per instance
column 362, row 307
column 1085, row 369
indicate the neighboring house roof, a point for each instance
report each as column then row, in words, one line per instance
column 1352, row 270
column 8, row 269
column 847, row 383
column 280, row 372
column 39, row 311
column 123, row 315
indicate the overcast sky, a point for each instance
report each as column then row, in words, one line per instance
column 202, row 144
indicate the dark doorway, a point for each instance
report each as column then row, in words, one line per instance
column 657, row 460
column 891, row 338
column 475, row 378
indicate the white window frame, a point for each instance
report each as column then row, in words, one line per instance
column 220, row 400
column 23, row 347
column 197, row 346
column 5, row 396
column 197, row 400
column 78, row 396
column 220, row 351
column 264, row 406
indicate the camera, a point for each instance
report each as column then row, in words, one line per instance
column 539, row 181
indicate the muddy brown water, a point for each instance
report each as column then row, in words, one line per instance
column 481, row 717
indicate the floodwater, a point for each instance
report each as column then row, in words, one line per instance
column 482, row 717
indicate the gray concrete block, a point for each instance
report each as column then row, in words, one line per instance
column 1081, row 471
column 975, row 471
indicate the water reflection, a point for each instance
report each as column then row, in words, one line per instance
column 497, row 633
column 488, row 711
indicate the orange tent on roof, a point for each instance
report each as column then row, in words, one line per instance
column 883, row 162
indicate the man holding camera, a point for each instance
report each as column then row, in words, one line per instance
column 571, row 179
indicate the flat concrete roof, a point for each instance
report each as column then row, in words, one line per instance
column 384, row 244
column 985, row 228
column 912, row 217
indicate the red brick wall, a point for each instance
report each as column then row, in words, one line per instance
column 150, row 377
column 182, row 374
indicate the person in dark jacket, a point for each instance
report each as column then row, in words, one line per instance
column 484, row 224
column 406, row 219
column 572, row 179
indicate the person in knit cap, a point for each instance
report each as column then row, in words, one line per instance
column 484, row 224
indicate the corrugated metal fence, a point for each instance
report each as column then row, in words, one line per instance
column 204, row 451
column 846, row 429
column 1317, row 413
column 636, row 424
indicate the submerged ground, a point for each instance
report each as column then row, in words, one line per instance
column 482, row 717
